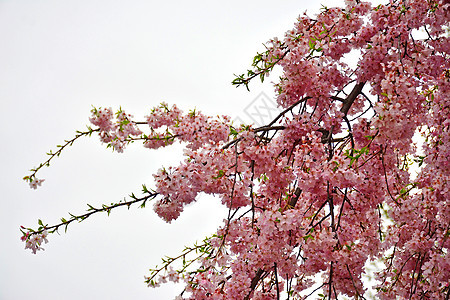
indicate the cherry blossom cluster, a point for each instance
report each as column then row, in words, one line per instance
column 34, row 241
column 194, row 128
column 348, row 173
column 326, row 186
column 35, row 182
column 116, row 133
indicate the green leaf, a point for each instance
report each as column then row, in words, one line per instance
column 233, row 131
column 309, row 236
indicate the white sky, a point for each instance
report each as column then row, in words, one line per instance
column 57, row 58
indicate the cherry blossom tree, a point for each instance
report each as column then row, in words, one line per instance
column 326, row 186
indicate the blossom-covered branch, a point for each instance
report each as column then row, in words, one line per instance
column 325, row 187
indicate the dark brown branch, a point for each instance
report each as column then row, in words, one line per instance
column 400, row 273
column 352, row 97
column 287, row 110
column 330, row 282
column 315, row 290
column 354, row 284
column 338, row 99
column 268, row 127
column 276, row 280
column 252, row 166
column 331, row 205
column 317, row 213
column 380, row 232
column 254, row 282
column 357, row 89
column 230, row 216
column 293, row 200
column 341, row 210
column 386, row 180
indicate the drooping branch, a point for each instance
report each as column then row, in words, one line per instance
column 91, row 210
column 52, row 154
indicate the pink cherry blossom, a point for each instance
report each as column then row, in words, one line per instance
column 34, row 241
column 34, row 183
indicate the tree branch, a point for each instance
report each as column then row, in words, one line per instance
column 352, row 97
column 93, row 210
column 58, row 153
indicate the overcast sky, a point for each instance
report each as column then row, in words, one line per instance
column 57, row 59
